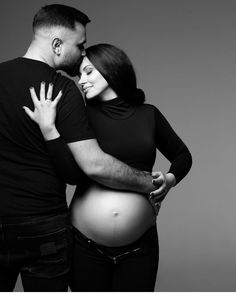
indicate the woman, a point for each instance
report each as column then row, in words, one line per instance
column 116, row 243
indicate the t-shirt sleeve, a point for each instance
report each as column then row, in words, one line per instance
column 72, row 121
column 64, row 161
column 172, row 147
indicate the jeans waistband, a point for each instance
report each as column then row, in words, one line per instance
column 117, row 254
column 21, row 220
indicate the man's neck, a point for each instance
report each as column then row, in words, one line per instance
column 37, row 55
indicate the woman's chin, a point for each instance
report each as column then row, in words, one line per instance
column 89, row 96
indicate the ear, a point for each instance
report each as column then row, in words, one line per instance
column 56, row 46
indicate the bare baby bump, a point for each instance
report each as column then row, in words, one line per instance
column 110, row 217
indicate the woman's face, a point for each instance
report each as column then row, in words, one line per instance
column 93, row 83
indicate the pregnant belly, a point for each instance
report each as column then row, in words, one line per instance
column 111, row 218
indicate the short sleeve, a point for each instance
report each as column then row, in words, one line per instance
column 72, row 121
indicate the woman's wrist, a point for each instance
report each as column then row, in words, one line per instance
column 50, row 132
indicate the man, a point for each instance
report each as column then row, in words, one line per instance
column 35, row 236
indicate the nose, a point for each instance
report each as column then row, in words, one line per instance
column 81, row 80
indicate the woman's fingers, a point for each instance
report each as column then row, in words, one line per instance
column 42, row 91
column 160, row 181
column 42, row 102
column 156, row 174
column 34, row 96
column 158, row 178
column 49, row 92
column 157, row 192
column 56, row 100
column 29, row 112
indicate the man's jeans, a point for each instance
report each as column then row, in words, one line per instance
column 39, row 248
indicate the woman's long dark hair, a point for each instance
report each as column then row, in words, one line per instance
column 117, row 69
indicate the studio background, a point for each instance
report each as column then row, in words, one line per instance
column 184, row 55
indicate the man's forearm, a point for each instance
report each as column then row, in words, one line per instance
column 109, row 171
column 118, row 175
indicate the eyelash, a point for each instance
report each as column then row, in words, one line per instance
column 86, row 72
column 81, row 47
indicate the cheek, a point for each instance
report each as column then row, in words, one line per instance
column 76, row 54
column 101, row 84
column 103, row 87
column 73, row 53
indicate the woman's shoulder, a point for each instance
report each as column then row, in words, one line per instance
column 148, row 107
column 151, row 110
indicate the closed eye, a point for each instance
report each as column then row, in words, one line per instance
column 80, row 46
column 89, row 72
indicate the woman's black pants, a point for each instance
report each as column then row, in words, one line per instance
column 98, row 268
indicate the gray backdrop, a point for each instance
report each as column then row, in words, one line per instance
column 184, row 55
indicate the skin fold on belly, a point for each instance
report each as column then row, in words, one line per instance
column 110, row 217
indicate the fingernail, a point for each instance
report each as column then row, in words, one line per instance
column 43, row 82
column 51, row 84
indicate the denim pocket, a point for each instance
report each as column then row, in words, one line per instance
column 49, row 253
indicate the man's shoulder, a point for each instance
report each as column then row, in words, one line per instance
column 8, row 66
column 6, row 62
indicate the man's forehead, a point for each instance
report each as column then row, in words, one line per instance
column 79, row 32
column 80, row 28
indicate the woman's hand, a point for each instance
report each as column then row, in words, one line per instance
column 164, row 182
column 44, row 113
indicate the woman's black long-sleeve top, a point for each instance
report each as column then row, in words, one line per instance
column 129, row 133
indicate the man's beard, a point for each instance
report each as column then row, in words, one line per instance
column 70, row 70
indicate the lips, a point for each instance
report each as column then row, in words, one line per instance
column 85, row 89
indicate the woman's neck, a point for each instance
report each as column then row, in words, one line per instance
column 107, row 95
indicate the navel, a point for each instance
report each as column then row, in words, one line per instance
column 115, row 213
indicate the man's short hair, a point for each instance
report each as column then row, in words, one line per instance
column 59, row 15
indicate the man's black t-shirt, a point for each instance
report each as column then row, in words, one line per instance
column 29, row 183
